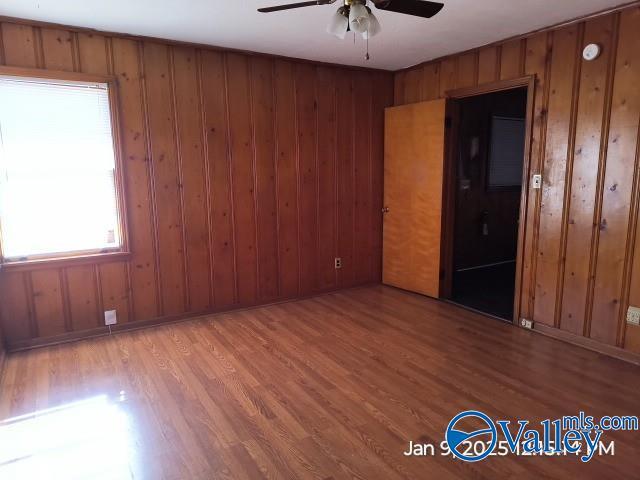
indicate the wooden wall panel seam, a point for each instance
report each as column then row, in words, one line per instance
column 318, row 259
column 523, row 57
column 97, row 276
column 254, row 169
column 31, row 307
column 75, row 52
column 568, row 175
column 602, row 165
column 151, row 179
column 181, row 186
column 38, row 47
column 336, row 192
column 476, row 67
column 64, row 295
column 274, row 119
column 207, row 179
column 371, row 264
column 541, row 155
column 296, row 109
column 3, row 58
column 225, row 67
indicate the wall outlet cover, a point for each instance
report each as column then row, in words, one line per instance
column 526, row 323
column 338, row 263
column 110, row 317
column 633, row 315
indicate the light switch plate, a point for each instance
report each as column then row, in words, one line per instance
column 110, row 317
column 633, row 316
column 536, row 181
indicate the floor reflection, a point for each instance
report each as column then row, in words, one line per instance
column 90, row 439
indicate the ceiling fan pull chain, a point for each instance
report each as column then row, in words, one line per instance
column 367, row 57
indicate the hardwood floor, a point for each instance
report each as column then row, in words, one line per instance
column 330, row 387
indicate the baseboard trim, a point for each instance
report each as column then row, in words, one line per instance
column 589, row 344
column 166, row 320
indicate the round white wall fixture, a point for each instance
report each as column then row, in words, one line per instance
column 591, row 52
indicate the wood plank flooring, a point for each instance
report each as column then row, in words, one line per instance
column 326, row 388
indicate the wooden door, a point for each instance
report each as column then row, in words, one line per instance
column 413, row 186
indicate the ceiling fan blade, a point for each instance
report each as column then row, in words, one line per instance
column 289, row 6
column 419, row 8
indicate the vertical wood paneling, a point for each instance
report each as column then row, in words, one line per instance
column 194, row 196
column 221, row 209
column 166, row 181
column 82, row 297
column 382, row 98
column 47, row 298
column 58, row 49
column 15, row 304
column 488, row 63
column 92, row 53
column 243, row 181
column 345, row 169
column 114, row 290
column 262, row 107
column 578, row 265
column 618, row 182
column 467, row 70
column 511, row 59
column 554, row 171
column 448, row 75
column 287, row 178
column 431, row 83
column 580, row 227
column 362, row 157
column 307, row 175
column 19, row 42
column 242, row 173
column 326, row 139
column 145, row 295
column 413, row 85
column 536, row 62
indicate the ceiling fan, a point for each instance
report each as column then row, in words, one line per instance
column 357, row 17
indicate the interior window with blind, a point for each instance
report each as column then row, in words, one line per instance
column 506, row 152
column 57, row 170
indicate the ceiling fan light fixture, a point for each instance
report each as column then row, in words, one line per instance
column 339, row 24
column 358, row 18
column 374, row 26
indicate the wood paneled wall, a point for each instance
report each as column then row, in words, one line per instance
column 582, row 244
column 245, row 177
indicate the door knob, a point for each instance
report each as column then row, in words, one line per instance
column 385, row 210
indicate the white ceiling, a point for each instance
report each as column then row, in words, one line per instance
column 404, row 41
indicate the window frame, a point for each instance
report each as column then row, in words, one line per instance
column 86, row 256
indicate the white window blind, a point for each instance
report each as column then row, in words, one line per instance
column 57, row 169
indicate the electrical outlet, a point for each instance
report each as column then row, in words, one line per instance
column 525, row 323
column 110, row 317
column 338, row 263
column 633, row 315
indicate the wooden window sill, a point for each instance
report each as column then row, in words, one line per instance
column 58, row 262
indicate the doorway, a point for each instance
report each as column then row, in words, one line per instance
column 488, row 158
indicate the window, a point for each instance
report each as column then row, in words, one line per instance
column 507, row 152
column 58, row 179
